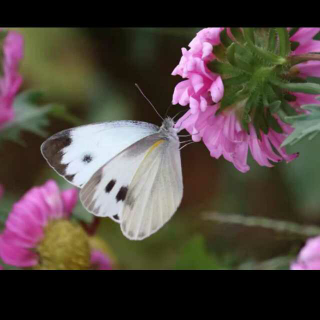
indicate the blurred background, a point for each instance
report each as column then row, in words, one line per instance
column 92, row 73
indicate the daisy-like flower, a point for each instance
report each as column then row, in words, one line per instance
column 40, row 235
column 11, row 48
column 309, row 256
column 241, row 84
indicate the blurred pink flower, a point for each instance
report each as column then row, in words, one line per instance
column 25, row 225
column 309, row 256
column 11, row 80
column 100, row 261
column 223, row 133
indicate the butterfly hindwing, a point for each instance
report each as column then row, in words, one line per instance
column 76, row 154
column 154, row 193
column 106, row 192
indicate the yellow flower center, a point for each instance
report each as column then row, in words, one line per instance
column 65, row 246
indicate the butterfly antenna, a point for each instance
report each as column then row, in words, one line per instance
column 168, row 110
column 178, row 114
column 148, row 101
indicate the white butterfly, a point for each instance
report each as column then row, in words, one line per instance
column 127, row 170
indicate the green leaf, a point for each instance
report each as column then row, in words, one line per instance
column 313, row 79
column 231, row 95
column 224, row 68
column 241, row 79
column 306, row 125
column 288, row 109
column 60, row 111
column 230, row 54
column 294, row 45
column 275, row 106
column 264, row 54
column 238, row 35
column 194, row 256
column 225, row 40
column 249, row 35
column 272, row 122
column 317, row 36
column 272, row 41
column 220, row 52
column 30, row 117
column 3, row 34
column 259, row 121
column 293, row 31
column 253, row 101
column 306, row 87
column 284, row 41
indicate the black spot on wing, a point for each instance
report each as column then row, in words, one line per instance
column 87, row 158
column 70, row 177
column 110, row 185
column 52, row 150
column 121, row 195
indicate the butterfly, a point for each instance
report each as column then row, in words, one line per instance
column 129, row 171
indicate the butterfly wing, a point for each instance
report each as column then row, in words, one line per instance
column 76, row 154
column 154, row 193
column 105, row 193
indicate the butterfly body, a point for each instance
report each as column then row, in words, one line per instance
column 129, row 171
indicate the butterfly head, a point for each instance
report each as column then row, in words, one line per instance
column 168, row 128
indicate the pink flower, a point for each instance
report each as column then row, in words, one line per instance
column 26, row 223
column 203, row 87
column 223, row 133
column 223, row 136
column 304, row 36
column 309, row 256
column 11, row 80
column 100, row 261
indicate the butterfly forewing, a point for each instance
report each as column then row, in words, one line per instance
column 76, row 154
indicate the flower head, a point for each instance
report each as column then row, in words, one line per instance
column 39, row 234
column 241, row 85
column 10, row 79
column 38, row 216
column 309, row 256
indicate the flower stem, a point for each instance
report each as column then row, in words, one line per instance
column 276, row 225
column 91, row 228
column 303, row 58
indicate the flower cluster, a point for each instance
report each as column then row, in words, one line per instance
column 40, row 234
column 309, row 256
column 11, row 47
column 241, row 85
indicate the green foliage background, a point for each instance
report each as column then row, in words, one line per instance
column 89, row 74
